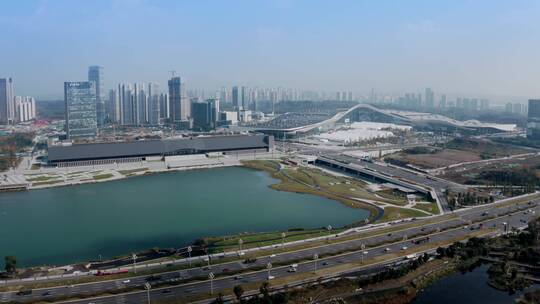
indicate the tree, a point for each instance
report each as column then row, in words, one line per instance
column 219, row 299
column 238, row 292
column 265, row 290
column 11, row 263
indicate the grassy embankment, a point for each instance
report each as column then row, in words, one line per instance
column 311, row 182
column 103, row 176
column 350, row 192
column 132, row 171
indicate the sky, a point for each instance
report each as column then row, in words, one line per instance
column 484, row 47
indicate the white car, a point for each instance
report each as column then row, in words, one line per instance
column 271, row 277
column 292, row 269
column 386, row 249
column 404, row 248
column 126, row 281
column 272, row 255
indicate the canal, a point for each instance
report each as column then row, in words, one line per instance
column 70, row 224
column 470, row 287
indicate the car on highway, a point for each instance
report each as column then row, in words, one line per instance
column 225, row 270
column 24, row 292
column 250, row 260
column 404, row 248
column 238, row 277
column 126, row 281
column 271, row 277
column 291, row 269
column 153, row 278
column 166, row 291
column 386, row 249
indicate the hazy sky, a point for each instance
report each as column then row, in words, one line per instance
column 477, row 47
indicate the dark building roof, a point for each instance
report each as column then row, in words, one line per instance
column 175, row 146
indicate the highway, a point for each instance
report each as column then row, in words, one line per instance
column 399, row 174
column 345, row 252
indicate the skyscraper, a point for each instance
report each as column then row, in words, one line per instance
column 429, row 98
column 179, row 103
column 205, row 114
column 95, row 74
column 81, row 115
column 533, row 119
column 235, row 98
column 7, row 101
column 153, row 108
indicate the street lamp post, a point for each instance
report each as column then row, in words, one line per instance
column 363, row 247
column 315, row 258
column 211, row 277
column 240, row 242
column 269, row 266
column 329, row 228
column 208, row 260
column 134, row 257
column 147, row 286
column 283, row 235
column 189, row 249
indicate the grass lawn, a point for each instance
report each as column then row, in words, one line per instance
column 130, row 172
column 102, row 176
column 393, row 213
column 50, row 182
column 432, row 208
column 41, row 178
column 219, row 244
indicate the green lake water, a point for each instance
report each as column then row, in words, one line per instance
column 78, row 223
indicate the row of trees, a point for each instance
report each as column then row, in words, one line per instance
column 10, row 262
column 467, row 199
column 265, row 297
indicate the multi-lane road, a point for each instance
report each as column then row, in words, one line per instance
column 443, row 228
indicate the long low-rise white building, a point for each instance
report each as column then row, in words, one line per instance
column 99, row 153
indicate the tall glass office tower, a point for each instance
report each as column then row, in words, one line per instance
column 81, row 114
column 95, row 74
column 179, row 104
column 7, row 102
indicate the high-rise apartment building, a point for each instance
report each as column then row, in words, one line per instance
column 235, row 98
column 179, row 103
column 81, row 114
column 95, row 74
column 442, row 102
column 25, row 108
column 429, row 98
column 7, row 101
column 533, row 119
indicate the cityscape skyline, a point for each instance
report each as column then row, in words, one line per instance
column 278, row 43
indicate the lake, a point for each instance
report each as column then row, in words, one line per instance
column 77, row 223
